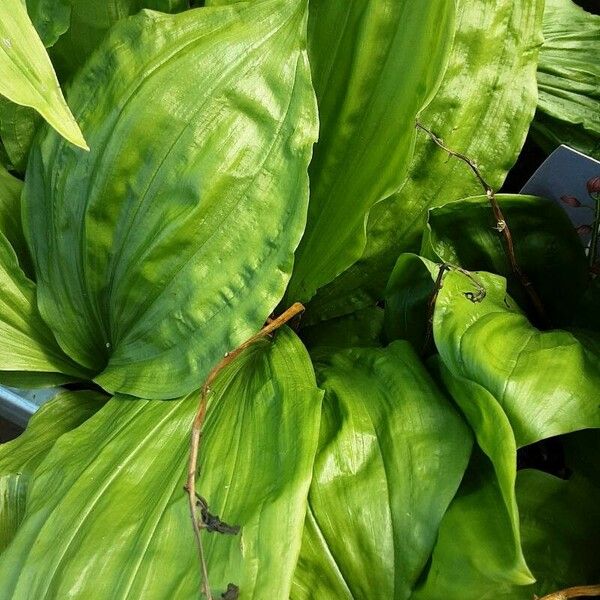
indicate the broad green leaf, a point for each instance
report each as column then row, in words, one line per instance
column 90, row 21
column 547, row 248
column 20, row 457
column 26, row 73
column 116, row 524
column 10, row 217
column 26, row 343
column 51, row 18
column 362, row 328
column 547, row 382
column 483, row 108
column 375, row 65
column 476, row 556
column 569, row 79
column 391, row 455
column 172, row 240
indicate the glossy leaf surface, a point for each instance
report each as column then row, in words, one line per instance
column 116, row 524
column 569, row 79
column 547, row 248
column 90, row 22
column 172, row 240
column 483, row 108
column 20, row 457
column 26, row 343
column 391, row 454
column 383, row 62
column 546, row 381
column 26, row 73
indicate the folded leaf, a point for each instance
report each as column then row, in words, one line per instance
column 26, row 73
column 561, row 531
column 476, row 555
column 547, row 382
column 172, row 240
column 547, row 248
column 18, row 125
column 569, row 79
column 26, row 343
column 483, row 108
column 20, row 457
column 116, row 523
column 392, row 452
column 374, row 67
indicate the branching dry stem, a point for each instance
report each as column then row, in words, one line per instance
column 501, row 225
column 196, row 437
column 573, row 592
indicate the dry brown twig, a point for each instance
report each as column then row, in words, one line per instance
column 574, row 592
column 196, row 437
column 501, row 224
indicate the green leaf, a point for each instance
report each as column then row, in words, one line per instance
column 560, row 521
column 10, row 218
column 391, row 455
column 90, row 21
column 26, row 343
column 26, row 73
column 51, row 18
column 547, row 248
column 374, row 67
column 483, row 108
column 20, row 457
column 172, row 241
column 547, row 382
column 476, row 555
column 569, row 79
column 407, row 300
column 116, row 523
column 18, row 125
column 362, row 328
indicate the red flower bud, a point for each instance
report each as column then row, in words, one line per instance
column 593, row 185
column 571, row 201
column 584, row 229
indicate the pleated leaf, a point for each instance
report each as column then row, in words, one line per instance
column 483, row 108
column 20, row 457
column 26, row 73
column 569, row 79
column 545, row 381
column 392, row 452
column 172, row 240
column 116, row 523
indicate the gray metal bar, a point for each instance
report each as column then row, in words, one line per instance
column 17, row 406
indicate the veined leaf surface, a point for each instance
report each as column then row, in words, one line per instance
column 116, row 524
column 375, row 65
column 26, row 73
column 20, row 457
column 483, row 108
column 569, row 79
column 392, row 452
column 547, row 382
column 172, row 240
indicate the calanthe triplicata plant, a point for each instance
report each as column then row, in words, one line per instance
column 176, row 178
